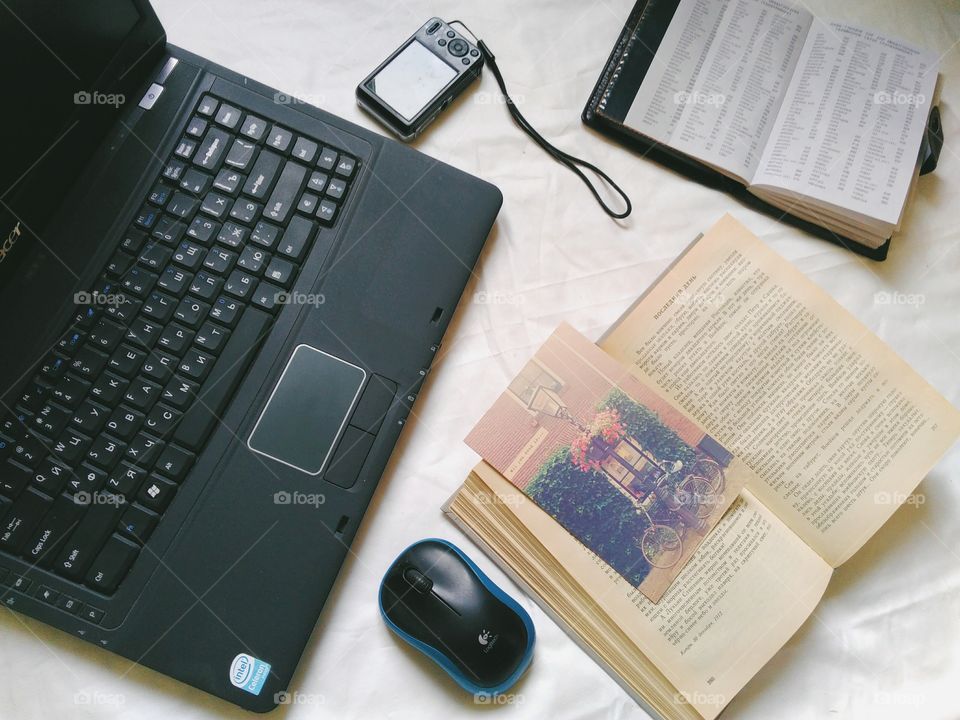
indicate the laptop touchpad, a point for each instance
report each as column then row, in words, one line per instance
column 307, row 410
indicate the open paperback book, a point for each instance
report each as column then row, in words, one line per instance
column 835, row 431
column 821, row 119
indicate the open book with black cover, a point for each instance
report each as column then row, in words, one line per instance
column 832, row 430
column 825, row 124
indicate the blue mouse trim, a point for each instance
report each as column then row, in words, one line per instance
column 438, row 657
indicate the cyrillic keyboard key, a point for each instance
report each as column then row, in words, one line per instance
column 71, row 447
column 161, row 420
column 211, row 337
column 105, row 451
column 50, row 420
column 199, row 420
column 50, row 477
column 90, row 417
column 125, row 480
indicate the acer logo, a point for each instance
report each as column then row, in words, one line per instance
column 9, row 242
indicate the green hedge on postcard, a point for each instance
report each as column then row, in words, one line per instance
column 593, row 511
column 644, row 424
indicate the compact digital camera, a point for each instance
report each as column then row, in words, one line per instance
column 411, row 88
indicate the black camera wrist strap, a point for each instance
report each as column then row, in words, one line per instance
column 574, row 164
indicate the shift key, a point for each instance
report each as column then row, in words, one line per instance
column 85, row 543
column 286, row 193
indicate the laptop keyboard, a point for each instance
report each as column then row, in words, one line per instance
column 109, row 427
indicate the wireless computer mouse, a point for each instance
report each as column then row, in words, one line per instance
column 435, row 597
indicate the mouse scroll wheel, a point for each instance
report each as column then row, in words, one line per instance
column 420, row 582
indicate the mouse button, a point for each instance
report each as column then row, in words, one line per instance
column 417, row 580
column 408, row 612
column 400, row 602
column 451, row 577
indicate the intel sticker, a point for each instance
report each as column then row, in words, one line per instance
column 248, row 673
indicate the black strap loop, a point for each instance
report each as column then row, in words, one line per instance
column 556, row 153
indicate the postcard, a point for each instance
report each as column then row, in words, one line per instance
column 620, row 468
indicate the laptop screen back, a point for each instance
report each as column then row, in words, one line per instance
column 67, row 68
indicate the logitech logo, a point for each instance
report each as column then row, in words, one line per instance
column 487, row 640
column 10, row 241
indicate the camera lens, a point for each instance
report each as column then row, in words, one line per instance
column 458, row 47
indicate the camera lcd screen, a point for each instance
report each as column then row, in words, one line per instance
column 411, row 80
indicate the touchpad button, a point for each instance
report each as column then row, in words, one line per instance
column 307, row 410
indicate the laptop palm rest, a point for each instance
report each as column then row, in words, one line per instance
column 307, row 410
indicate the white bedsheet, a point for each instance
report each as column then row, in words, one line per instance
column 885, row 642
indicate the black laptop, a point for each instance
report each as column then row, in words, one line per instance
column 219, row 306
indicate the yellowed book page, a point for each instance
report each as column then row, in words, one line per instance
column 838, row 428
column 746, row 590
